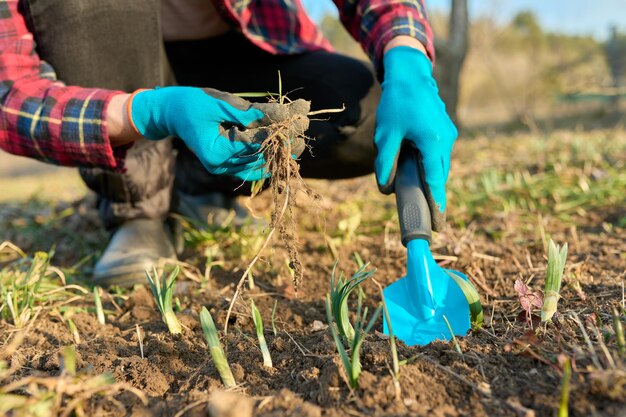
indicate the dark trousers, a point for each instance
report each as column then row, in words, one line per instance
column 341, row 145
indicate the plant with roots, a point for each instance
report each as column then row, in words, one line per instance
column 282, row 142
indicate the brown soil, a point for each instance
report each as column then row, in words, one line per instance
column 503, row 371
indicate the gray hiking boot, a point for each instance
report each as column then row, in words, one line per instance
column 214, row 209
column 136, row 246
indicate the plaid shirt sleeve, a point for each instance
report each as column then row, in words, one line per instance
column 42, row 118
column 375, row 22
column 283, row 27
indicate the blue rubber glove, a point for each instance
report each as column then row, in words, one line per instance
column 411, row 111
column 195, row 117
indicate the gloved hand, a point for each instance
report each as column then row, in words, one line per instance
column 411, row 111
column 198, row 118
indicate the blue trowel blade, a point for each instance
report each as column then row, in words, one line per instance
column 409, row 327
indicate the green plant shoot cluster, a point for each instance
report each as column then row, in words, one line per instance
column 340, row 290
column 337, row 314
column 352, row 362
column 163, row 292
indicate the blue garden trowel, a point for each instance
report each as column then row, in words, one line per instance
column 420, row 303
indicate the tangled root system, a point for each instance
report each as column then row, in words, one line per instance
column 282, row 141
column 285, row 141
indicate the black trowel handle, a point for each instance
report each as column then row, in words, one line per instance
column 413, row 210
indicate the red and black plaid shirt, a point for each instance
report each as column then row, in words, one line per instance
column 42, row 118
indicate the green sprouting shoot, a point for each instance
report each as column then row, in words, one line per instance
column 454, row 339
column 352, row 363
column 257, row 187
column 74, row 331
column 619, row 332
column 565, row 386
column 163, row 292
column 274, row 317
column 217, row 353
column 392, row 343
column 340, row 290
column 250, row 280
column 358, row 260
column 554, row 275
column 68, row 360
column 258, row 324
column 98, row 302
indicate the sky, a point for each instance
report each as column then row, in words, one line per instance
column 583, row 17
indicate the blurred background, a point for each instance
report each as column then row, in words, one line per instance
column 502, row 66
column 515, row 63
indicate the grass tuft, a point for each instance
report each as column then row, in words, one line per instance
column 163, row 292
column 340, row 290
column 30, row 284
column 352, row 362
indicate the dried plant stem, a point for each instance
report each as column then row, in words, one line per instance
column 603, row 347
column 619, row 333
column 592, row 351
column 98, row 302
column 316, row 112
column 140, row 339
column 274, row 316
column 392, row 343
column 456, row 342
column 242, row 280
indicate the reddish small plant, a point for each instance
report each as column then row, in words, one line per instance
column 529, row 300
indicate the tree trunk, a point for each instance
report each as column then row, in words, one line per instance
column 451, row 55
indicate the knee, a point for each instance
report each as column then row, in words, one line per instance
column 343, row 145
column 358, row 124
